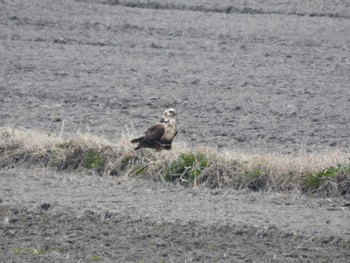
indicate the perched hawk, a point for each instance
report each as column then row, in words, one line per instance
column 160, row 135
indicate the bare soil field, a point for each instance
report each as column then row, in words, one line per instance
column 257, row 82
column 254, row 76
column 58, row 217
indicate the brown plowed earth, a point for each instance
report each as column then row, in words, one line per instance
column 72, row 217
column 252, row 76
column 274, row 80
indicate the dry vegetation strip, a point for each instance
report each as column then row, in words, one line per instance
column 326, row 174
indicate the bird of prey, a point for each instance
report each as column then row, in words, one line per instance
column 160, row 135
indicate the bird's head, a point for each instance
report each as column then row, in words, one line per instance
column 168, row 114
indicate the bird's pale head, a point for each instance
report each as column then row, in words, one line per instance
column 169, row 114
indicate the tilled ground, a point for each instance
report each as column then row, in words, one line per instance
column 255, row 76
column 71, row 217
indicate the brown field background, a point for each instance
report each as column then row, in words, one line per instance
column 262, row 92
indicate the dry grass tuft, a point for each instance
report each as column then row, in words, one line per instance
column 326, row 174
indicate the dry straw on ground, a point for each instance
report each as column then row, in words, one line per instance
column 326, row 174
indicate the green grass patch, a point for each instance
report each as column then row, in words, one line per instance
column 338, row 175
column 256, row 180
column 96, row 258
column 32, row 251
column 187, row 168
column 255, row 174
column 315, row 180
column 28, row 250
column 92, row 160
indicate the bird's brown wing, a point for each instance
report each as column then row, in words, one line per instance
column 154, row 133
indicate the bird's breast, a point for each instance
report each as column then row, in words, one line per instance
column 169, row 132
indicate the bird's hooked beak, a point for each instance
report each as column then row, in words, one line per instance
column 172, row 111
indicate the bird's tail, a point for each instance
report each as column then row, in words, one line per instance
column 140, row 139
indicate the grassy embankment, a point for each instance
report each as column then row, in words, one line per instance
column 326, row 174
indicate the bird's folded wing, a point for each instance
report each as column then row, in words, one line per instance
column 154, row 133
